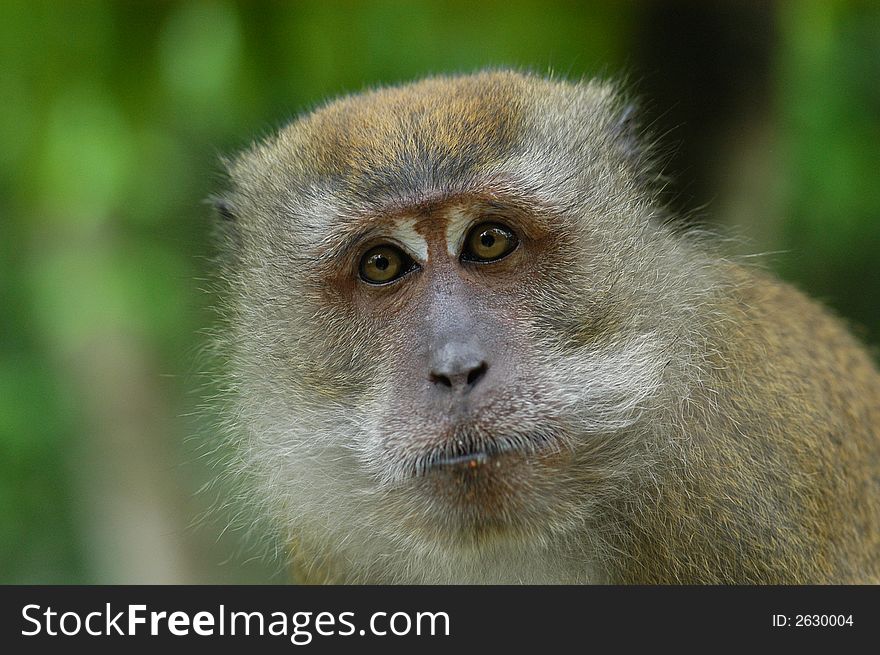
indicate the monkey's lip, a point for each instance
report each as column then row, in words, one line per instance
column 468, row 450
column 479, row 456
column 467, row 461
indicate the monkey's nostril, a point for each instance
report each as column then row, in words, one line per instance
column 476, row 373
column 460, row 379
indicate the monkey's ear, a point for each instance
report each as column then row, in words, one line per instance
column 637, row 147
column 628, row 134
column 223, row 207
column 226, row 228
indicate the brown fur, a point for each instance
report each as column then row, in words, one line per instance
column 781, row 482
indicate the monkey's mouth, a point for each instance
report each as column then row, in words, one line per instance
column 467, row 461
column 473, row 455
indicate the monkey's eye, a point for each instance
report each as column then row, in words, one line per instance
column 384, row 264
column 488, row 242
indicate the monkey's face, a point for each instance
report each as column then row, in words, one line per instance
column 468, row 421
column 436, row 334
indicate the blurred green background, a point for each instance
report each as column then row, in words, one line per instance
column 112, row 117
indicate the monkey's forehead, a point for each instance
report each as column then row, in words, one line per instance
column 434, row 135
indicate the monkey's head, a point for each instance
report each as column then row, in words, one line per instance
column 453, row 315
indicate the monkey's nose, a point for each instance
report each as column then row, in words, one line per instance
column 458, row 369
column 463, row 381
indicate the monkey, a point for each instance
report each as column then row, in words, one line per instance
column 467, row 343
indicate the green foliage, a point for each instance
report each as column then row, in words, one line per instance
column 830, row 116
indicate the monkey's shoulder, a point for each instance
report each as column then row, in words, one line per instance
column 792, row 356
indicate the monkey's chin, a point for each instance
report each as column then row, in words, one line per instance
column 481, row 497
